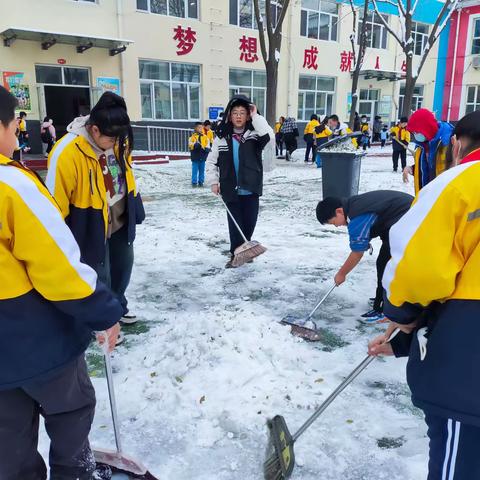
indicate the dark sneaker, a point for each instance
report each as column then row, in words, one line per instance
column 373, row 316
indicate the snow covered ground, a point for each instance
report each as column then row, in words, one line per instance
column 209, row 363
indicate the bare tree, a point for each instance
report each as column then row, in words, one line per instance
column 406, row 10
column 359, row 55
column 270, row 35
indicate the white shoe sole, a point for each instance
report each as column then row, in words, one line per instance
column 128, row 321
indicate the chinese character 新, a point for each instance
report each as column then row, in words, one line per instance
column 248, row 47
column 346, row 61
column 186, row 38
column 310, row 58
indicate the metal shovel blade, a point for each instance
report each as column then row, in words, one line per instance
column 299, row 329
column 120, row 463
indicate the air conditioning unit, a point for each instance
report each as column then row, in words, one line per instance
column 476, row 62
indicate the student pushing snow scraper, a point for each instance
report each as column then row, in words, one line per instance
column 368, row 215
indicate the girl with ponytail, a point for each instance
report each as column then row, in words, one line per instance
column 90, row 175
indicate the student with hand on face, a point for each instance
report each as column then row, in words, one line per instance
column 235, row 166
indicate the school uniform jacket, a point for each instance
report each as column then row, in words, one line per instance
column 433, row 276
column 75, row 179
column 220, row 166
column 198, row 145
column 50, row 302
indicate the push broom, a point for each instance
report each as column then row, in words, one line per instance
column 116, row 460
column 249, row 250
column 281, row 457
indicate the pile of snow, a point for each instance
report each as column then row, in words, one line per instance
column 195, row 389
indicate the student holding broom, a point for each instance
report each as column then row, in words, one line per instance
column 50, row 304
column 235, row 167
column 433, row 296
column 366, row 216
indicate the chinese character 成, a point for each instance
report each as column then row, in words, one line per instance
column 310, row 58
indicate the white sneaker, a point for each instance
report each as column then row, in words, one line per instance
column 129, row 319
column 120, row 339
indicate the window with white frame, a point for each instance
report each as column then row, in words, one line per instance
column 376, row 31
column 417, row 99
column 242, row 12
column 319, row 20
column 251, row 83
column 169, row 91
column 171, row 8
column 315, row 95
column 473, row 99
column 56, row 75
column 420, row 32
column 476, row 37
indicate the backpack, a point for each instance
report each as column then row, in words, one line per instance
column 45, row 135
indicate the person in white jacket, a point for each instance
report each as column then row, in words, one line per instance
column 235, row 165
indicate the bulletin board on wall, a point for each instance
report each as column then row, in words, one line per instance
column 15, row 83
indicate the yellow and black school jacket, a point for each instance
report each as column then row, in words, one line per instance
column 50, row 302
column 198, row 144
column 402, row 135
column 310, row 127
column 76, row 181
column 433, row 277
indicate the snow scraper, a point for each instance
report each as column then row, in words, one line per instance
column 116, row 460
column 280, row 455
column 301, row 328
column 248, row 250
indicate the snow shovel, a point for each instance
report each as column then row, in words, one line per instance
column 408, row 149
column 248, row 250
column 281, row 461
column 299, row 328
column 116, row 460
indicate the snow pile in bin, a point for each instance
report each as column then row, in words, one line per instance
column 342, row 146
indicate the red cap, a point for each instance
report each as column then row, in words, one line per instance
column 423, row 121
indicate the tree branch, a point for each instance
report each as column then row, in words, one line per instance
column 386, row 25
column 353, row 36
column 438, row 26
column 283, row 13
column 261, row 31
column 268, row 16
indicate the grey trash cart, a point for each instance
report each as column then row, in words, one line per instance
column 340, row 173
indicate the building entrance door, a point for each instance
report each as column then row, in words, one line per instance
column 63, row 104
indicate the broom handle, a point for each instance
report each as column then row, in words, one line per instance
column 404, row 146
column 233, row 219
column 111, row 394
column 360, row 368
column 317, row 306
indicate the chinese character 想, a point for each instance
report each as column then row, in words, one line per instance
column 186, row 38
column 248, row 47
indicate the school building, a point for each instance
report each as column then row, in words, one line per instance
column 178, row 61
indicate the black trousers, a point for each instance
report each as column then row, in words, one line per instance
column 382, row 260
column 66, row 400
column 311, row 147
column 453, row 449
column 279, row 144
column 403, row 155
column 290, row 142
column 245, row 212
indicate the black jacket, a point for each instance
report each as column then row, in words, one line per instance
column 221, row 168
column 388, row 205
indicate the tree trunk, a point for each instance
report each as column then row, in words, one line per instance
column 410, row 82
column 271, row 96
column 362, row 47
